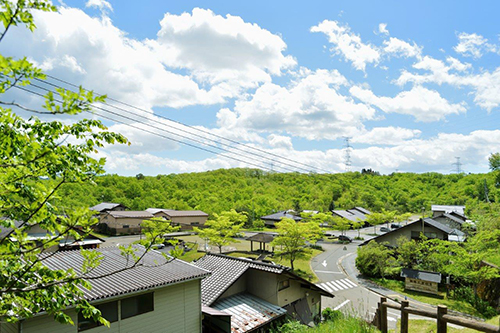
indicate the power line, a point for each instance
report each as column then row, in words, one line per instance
column 181, row 135
column 309, row 167
column 160, row 135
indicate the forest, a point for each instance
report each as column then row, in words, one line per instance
column 260, row 193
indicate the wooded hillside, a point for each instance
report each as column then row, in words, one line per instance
column 260, row 193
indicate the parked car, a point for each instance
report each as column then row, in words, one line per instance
column 395, row 226
column 158, row 246
column 344, row 238
column 384, row 229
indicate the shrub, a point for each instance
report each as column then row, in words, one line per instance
column 331, row 315
column 316, row 247
column 375, row 260
column 258, row 225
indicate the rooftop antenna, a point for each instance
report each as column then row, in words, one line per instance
column 347, row 153
column 458, row 165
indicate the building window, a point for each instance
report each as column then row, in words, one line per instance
column 137, row 305
column 283, row 284
column 108, row 310
column 125, row 226
column 195, row 223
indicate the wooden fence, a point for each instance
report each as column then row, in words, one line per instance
column 442, row 316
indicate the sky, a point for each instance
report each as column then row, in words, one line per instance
column 279, row 85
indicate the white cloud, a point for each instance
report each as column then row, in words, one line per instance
column 423, row 104
column 100, row 4
column 473, row 45
column 386, row 135
column 398, row 47
column 348, row 44
column 222, row 49
column 486, row 85
column 382, row 28
column 280, row 141
column 311, row 107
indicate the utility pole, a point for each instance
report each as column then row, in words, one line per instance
column 458, row 165
column 347, row 153
column 423, row 227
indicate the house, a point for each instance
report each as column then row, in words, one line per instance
column 186, row 219
column 430, row 228
column 271, row 220
column 423, row 281
column 353, row 215
column 123, row 222
column 438, row 210
column 108, row 206
column 39, row 235
column 254, row 294
column 162, row 295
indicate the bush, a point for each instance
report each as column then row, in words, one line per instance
column 291, row 326
column 258, row 225
column 375, row 260
column 467, row 294
column 331, row 315
column 316, row 247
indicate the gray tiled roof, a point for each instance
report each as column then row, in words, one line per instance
column 421, row 275
column 5, row 231
column 159, row 271
column 131, row 213
column 186, row 213
column 248, row 312
column 440, row 226
column 362, row 210
column 261, row 237
column 453, row 218
column 225, row 271
column 279, row 215
column 105, row 206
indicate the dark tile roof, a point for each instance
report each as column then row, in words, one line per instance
column 154, row 271
column 105, row 206
column 279, row 215
column 225, row 271
column 5, row 231
column 421, row 275
column 131, row 213
column 261, row 237
column 454, row 218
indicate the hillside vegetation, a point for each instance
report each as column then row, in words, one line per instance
column 260, row 193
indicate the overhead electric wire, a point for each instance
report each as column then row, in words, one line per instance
column 195, row 128
column 160, row 135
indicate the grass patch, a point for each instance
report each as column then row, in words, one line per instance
column 302, row 266
column 345, row 325
column 441, row 299
column 429, row 326
column 192, row 256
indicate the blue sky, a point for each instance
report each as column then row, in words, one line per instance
column 413, row 84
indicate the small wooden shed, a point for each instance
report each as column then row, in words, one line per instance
column 423, row 281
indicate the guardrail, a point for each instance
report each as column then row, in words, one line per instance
column 442, row 316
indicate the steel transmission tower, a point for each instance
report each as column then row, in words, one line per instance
column 347, row 153
column 457, row 165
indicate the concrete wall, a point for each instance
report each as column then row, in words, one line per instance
column 238, row 287
column 177, row 308
column 393, row 236
column 189, row 220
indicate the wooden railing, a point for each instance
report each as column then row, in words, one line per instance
column 442, row 316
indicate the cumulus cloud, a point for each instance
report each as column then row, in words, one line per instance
column 222, row 49
column 280, row 141
column 348, row 44
column 100, row 4
column 473, row 45
column 485, row 85
column 386, row 135
column 382, row 28
column 424, row 104
column 398, row 47
column 311, row 107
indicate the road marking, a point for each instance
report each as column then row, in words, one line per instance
column 341, row 305
column 324, row 263
column 329, row 272
column 331, row 285
column 343, row 284
column 350, row 282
